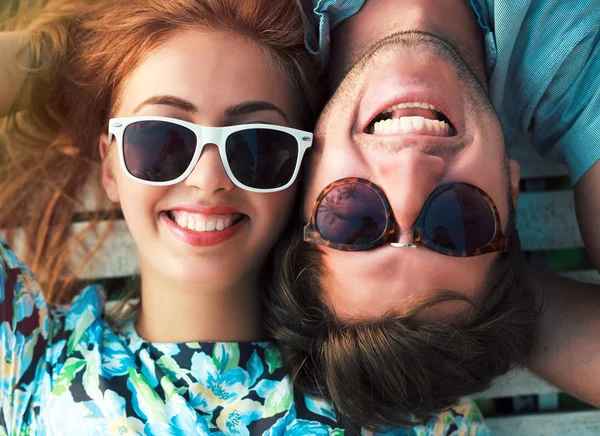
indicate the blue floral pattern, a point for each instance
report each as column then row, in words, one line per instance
column 64, row 371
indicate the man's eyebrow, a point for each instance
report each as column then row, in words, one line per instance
column 441, row 296
column 249, row 107
column 167, row 100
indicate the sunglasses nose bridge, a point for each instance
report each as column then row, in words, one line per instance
column 403, row 237
column 209, row 135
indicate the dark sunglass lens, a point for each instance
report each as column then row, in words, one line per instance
column 351, row 214
column 460, row 219
column 262, row 158
column 158, row 151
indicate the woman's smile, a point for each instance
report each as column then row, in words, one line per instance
column 204, row 227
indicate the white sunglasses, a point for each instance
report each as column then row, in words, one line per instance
column 161, row 151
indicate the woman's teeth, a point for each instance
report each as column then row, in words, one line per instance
column 412, row 124
column 202, row 223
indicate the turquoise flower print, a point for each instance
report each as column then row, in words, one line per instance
column 279, row 399
column 172, row 369
column 282, row 423
column 62, row 415
column 24, row 302
column 183, row 417
column 16, row 353
column 182, row 420
column 255, row 368
column 85, row 309
column 167, row 349
column 148, row 367
column 320, row 407
column 220, row 380
column 236, row 416
column 146, row 402
column 14, row 407
column 273, row 358
column 27, row 297
column 115, row 358
column 3, row 277
column 302, row 427
column 111, row 416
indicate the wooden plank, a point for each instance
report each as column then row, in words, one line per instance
column 516, row 382
column 546, row 221
column 586, row 423
column 117, row 256
column 92, row 197
column 588, row 276
column 533, row 165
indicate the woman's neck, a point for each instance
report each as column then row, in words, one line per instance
column 219, row 312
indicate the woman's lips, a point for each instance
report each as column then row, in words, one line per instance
column 203, row 230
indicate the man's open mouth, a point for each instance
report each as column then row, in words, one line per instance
column 419, row 118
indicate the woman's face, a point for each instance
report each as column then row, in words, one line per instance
column 207, row 78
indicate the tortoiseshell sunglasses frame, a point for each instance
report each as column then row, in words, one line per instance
column 313, row 235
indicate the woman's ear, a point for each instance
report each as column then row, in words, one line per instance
column 515, row 178
column 108, row 178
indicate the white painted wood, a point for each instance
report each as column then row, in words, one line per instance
column 546, row 221
column 92, row 197
column 588, row 276
column 586, row 423
column 516, row 382
column 117, row 256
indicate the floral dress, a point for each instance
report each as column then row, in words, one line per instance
column 64, row 371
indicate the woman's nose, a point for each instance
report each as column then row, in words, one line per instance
column 408, row 178
column 209, row 175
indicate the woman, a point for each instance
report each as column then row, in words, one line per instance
column 184, row 100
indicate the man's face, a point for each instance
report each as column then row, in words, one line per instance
column 412, row 63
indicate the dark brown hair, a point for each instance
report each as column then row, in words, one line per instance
column 81, row 52
column 397, row 370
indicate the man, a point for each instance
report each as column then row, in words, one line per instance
column 386, row 330
column 387, row 61
column 543, row 68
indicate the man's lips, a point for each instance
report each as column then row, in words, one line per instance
column 414, row 117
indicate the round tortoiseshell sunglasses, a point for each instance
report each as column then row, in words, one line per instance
column 458, row 219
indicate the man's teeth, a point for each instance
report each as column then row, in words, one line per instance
column 410, row 124
column 416, row 104
column 202, row 223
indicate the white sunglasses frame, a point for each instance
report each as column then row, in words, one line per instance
column 208, row 135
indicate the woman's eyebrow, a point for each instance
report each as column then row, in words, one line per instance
column 249, row 107
column 243, row 108
column 167, row 100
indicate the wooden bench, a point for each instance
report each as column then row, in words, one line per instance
column 546, row 221
column 547, row 224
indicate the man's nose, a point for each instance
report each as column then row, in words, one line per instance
column 209, row 174
column 408, row 178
